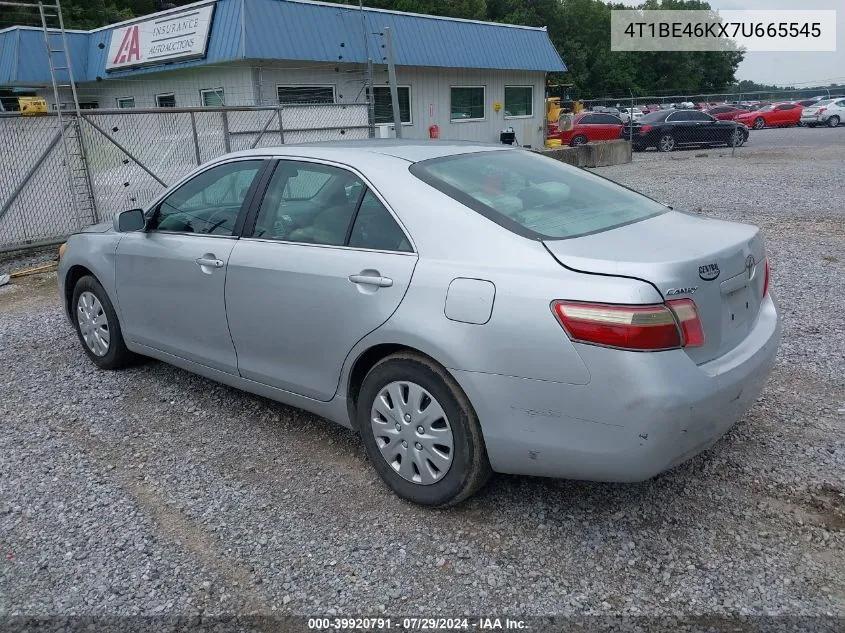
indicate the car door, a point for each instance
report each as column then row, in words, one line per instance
column 170, row 277
column 682, row 127
column 607, row 127
column 322, row 263
column 706, row 129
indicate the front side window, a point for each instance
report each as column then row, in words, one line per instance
column 467, row 103
column 305, row 94
column 209, row 203
column 535, row 196
column 519, row 101
column 212, row 98
column 383, row 104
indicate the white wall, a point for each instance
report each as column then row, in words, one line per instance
column 250, row 83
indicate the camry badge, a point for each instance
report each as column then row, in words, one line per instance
column 709, row 272
column 750, row 262
column 681, row 291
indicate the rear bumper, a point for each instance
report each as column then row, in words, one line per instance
column 814, row 118
column 639, row 415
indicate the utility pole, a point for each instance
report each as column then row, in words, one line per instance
column 391, row 74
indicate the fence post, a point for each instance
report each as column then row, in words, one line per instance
column 281, row 126
column 394, row 90
column 196, row 138
column 227, row 143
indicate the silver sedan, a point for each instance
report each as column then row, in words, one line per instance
column 466, row 308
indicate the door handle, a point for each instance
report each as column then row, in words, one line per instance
column 371, row 280
column 211, row 262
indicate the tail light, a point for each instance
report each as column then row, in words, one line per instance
column 822, row 110
column 687, row 315
column 642, row 328
column 645, row 129
column 766, row 279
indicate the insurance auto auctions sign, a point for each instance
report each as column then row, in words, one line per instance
column 177, row 36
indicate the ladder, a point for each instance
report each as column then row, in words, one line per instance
column 58, row 60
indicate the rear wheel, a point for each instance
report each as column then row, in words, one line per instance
column 421, row 432
column 666, row 143
column 833, row 121
column 759, row 123
column 97, row 325
column 737, row 138
column 578, row 139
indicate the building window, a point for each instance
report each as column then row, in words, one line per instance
column 212, row 98
column 166, row 100
column 126, row 102
column 467, row 103
column 305, row 94
column 83, row 105
column 383, row 104
column 519, row 101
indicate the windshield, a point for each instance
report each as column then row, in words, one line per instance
column 767, row 108
column 823, row 102
column 534, row 195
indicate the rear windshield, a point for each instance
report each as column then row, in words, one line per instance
column 534, row 195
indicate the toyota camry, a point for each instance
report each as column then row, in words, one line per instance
column 465, row 308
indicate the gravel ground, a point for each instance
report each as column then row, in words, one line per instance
column 153, row 491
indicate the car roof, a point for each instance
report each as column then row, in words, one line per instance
column 408, row 150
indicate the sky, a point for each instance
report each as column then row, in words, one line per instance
column 787, row 69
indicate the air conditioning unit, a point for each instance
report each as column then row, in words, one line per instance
column 385, row 130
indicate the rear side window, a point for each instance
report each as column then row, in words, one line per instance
column 535, row 196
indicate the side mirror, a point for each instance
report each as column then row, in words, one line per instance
column 132, row 220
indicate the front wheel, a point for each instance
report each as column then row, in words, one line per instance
column 421, row 432
column 578, row 139
column 759, row 123
column 833, row 121
column 97, row 325
column 666, row 143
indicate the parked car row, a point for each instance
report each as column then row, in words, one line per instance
column 668, row 128
column 665, row 129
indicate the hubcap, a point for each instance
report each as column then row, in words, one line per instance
column 93, row 323
column 412, row 432
column 667, row 143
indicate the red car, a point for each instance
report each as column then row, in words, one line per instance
column 774, row 115
column 726, row 112
column 587, row 127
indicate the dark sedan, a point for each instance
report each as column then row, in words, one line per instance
column 667, row 130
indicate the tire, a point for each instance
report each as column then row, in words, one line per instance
column 401, row 377
column 578, row 139
column 736, row 139
column 666, row 143
column 94, row 317
column 833, row 121
column 759, row 123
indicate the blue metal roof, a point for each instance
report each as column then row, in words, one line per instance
column 23, row 56
column 301, row 30
column 312, row 31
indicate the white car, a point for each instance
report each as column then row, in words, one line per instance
column 829, row 112
column 626, row 113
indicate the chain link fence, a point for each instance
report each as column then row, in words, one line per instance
column 120, row 159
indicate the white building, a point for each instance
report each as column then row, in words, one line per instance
column 470, row 79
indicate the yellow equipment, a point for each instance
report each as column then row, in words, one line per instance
column 32, row 106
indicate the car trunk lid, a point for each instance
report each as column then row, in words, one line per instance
column 717, row 264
